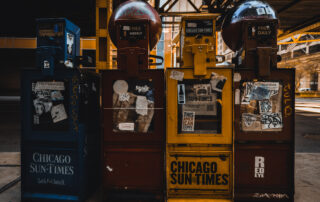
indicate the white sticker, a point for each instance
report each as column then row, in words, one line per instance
column 123, row 97
column 68, row 63
column 188, row 121
column 181, row 94
column 46, row 64
column 259, row 167
column 142, row 105
column 70, row 42
column 126, row 126
column 177, row 75
column 237, row 77
column 237, row 97
column 126, row 28
column 109, row 169
column 58, row 113
column 120, row 86
column 142, row 89
column 261, row 11
column 192, row 24
column 269, row 11
column 55, row 85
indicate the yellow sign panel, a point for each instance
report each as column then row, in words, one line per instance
column 199, row 109
column 208, row 173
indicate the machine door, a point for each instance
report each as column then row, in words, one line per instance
column 133, row 108
column 264, row 108
column 199, row 110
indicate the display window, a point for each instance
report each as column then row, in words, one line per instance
column 199, row 108
column 50, row 105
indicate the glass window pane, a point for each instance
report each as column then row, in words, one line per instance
column 198, row 108
column 50, row 105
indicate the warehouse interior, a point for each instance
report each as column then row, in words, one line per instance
column 298, row 45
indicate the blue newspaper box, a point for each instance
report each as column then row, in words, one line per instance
column 58, row 44
column 60, row 149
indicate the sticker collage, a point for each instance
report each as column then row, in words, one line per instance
column 261, row 106
column 133, row 106
column 49, row 108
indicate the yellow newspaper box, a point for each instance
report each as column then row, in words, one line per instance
column 199, row 118
column 199, row 109
column 198, row 41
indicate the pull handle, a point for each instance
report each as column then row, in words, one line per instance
column 156, row 57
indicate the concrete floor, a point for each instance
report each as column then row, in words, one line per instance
column 307, row 157
column 307, row 177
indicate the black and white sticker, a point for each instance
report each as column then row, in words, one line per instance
column 46, row 64
column 181, row 94
column 58, row 113
column 271, row 121
column 217, row 82
column 70, row 42
column 124, row 97
column 265, row 106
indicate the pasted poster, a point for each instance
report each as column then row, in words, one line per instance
column 198, row 109
column 49, row 105
column 133, row 106
column 261, row 106
column 200, row 99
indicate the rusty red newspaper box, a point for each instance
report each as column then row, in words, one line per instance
column 133, row 110
column 264, row 172
column 264, row 107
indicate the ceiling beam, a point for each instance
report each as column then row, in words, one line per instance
column 299, row 31
column 174, row 3
column 194, row 6
column 289, row 5
column 157, row 4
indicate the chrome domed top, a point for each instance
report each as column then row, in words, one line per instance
column 248, row 10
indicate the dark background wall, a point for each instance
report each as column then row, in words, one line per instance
column 17, row 19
